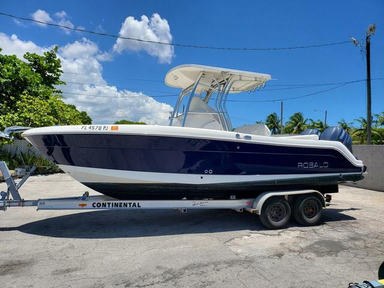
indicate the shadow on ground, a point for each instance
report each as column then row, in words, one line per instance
column 127, row 224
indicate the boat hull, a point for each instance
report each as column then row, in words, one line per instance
column 142, row 185
column 133, row 166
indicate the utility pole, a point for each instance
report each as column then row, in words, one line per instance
column 325, row 116
column 369, row 100
column 325, row 120
column 370, row 31
column 281, row 117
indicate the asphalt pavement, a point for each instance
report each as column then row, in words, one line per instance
column 213, row 248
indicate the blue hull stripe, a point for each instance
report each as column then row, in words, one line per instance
column 186, row 155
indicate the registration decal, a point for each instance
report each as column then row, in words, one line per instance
column 97, row 127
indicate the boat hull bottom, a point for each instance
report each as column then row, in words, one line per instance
column 158, row 191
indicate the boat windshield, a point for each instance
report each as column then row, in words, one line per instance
column 202, row 101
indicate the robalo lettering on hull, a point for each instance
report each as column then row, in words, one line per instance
column 312, row 165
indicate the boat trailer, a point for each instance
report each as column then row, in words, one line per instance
column 12, row 198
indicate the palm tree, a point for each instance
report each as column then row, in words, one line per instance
column 317, row 125
column 296, row 123
column 273, row 123
column 380, row 119
column 346, row 126
column 360, row 134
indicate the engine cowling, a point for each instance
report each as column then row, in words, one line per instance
column 336, row 133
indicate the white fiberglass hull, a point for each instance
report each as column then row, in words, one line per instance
column 162, row 162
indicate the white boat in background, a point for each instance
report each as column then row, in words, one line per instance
column 199, row 155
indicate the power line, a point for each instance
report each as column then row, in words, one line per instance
column 158, row 91
column 298, row 86
column 323, row 84
column 173, row 44
column 115, row 96
column 264, row 90
column 120, row 87
column 291, row 98
column 303, row 86
column 311, row 94
column 295, row 87
column 175, row 95
column 339, row 85
column 125, row 78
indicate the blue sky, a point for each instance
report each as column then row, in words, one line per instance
column 225, row 24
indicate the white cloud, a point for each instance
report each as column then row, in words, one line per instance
column 43, row 16
column 84, row 49
column 61, row 14
column 80, row 49
column 104, row 103
column 100, row 29
column 14, row 46
column 153, row 29
column 66, row 23
column 105, row 56
column 19, row 23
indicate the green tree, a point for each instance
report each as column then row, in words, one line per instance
column 359, row 135
column 273, row 123
column 84, row 117
column 379, row 119
column 319, row 124
column 18, row 77
column 127, row 122
column 48, row 67
column 34, row 112
column 296, row 124
column 28, row 96
column 347, row 126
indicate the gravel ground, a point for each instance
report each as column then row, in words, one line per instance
column 198, row 249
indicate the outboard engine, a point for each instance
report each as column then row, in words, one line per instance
column 336, row 133
column 310, row 131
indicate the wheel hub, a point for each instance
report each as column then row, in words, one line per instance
column 277, row 212
column 310, row 209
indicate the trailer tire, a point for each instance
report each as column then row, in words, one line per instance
column 307, row 210
column 275, row 213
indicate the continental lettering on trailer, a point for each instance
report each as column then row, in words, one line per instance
column 116, row 205
column 312, row 165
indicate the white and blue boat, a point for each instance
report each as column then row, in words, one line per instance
column 199, row 155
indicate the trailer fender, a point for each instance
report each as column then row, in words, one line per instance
column 260, row 200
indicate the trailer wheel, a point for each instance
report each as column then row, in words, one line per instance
column 307, row 210
column 275, row 213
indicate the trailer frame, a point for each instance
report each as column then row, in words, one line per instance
column 12, row 198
